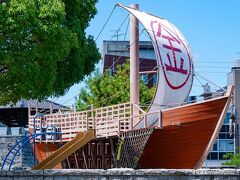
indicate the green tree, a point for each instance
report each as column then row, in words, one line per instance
column 106, row 89
column 44, row 49
column 234, row 160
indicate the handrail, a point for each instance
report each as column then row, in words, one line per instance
column 107, row 121
column 141, row 110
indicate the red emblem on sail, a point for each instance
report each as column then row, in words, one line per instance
column 173, row 54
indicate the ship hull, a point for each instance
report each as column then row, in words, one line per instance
column 187, row 135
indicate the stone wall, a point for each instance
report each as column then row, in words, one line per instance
column 120, row 174
column 25, row 159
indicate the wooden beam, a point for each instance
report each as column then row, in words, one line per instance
column 76, row 161
column 147, row 72
column 93, row 155
column 84, row 157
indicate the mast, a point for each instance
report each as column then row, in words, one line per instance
column 134, row 60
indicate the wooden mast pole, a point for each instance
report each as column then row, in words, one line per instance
column 134, row 61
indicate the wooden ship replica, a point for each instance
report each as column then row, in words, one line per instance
column 170, row 134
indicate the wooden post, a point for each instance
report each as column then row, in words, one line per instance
column 93, row 154
column 51, row 109
column 36, row 106
column 76, row 160
column 145, row 121
column 84, row 157
column 160, row 119
column 119, row 127
column 102, row 154
column 69, row 166
column 93, row 117
column 131, row 120
column 29, row 108
column 112, row 147
column 134, row 61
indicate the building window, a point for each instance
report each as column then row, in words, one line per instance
column 224, row 143
column 227, row 118
column 154, row 79
column 221, row 154
column 225, row 136
column 215, row 146
column 213, row 156
column 144, row 78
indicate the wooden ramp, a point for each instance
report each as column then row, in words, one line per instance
column 72, row 146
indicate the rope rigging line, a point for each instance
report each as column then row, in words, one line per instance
column 220, row 88
column 130, row 44
column 183, row 103
column 117, row 93
column 105, row 23
column 144, row 76
column 198, row 80
column 146, row 104
column 121, row 54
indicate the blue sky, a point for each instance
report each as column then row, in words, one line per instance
column 211, row 28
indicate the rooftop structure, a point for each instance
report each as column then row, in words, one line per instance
column 117, row 52
column 16, row 115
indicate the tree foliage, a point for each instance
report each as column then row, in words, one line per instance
column 106, row 89
column 234, row 160
column 44, row 49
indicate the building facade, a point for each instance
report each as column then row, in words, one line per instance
column 224, row 144
column 117, row 52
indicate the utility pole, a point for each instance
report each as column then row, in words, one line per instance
column 134, row 61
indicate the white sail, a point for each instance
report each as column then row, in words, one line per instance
column 174, row 60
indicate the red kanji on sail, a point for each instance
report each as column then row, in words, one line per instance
column 173, row 67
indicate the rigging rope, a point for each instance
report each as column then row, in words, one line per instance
column 220, row 88
column 105, row 23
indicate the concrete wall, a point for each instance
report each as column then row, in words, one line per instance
column 14, row 131
column 26, row 157
column 120, row 174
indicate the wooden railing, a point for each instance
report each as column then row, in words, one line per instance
column 107, row 121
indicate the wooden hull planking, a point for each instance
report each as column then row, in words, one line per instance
column 186, row 133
